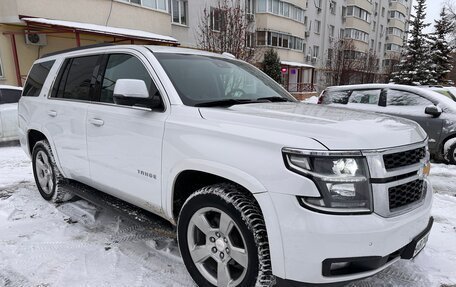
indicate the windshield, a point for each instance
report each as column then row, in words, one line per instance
column 203, row 79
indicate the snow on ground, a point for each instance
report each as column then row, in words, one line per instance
column 79, row 244
column 311, row 100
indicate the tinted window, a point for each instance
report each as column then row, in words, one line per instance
column 403, row 98
column 335, row 97
column 365, row 97
column 76, row 78
column 199, row 79
column 121, row 66
column 36, row 78
column 8, row 96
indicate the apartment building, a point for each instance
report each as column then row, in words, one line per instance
column 301, row 31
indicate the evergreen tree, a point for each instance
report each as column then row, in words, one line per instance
column 441, row 51
column 416, row 66
column 271, row 65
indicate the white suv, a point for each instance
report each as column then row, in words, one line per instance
column 263, row 189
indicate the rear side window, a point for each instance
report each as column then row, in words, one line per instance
column 9, row 96
column 36, row 79
column 335, row 97
column 365, row 97
column 76, row 78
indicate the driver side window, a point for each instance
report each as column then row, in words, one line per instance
column 403, row 98
column 124, row 66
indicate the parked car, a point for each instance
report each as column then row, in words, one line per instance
column 435, row 113
column 448, row 92
column 9, row 97
column 262, row 188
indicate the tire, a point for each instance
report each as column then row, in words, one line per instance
column 449, row 151
column 48, row 177
column 238, row 250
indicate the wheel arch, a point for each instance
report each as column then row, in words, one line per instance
column 33, row 136
column 442, row 143
column 194, row 174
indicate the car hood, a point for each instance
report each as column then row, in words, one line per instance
column 335, row 128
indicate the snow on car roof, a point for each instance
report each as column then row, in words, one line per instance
column 427, row 93
column 10, row 87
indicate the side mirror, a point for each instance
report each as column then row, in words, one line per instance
column 131, row 92
column 434, row 111
column 130, row 88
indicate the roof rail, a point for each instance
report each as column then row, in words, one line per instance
column 77, row 49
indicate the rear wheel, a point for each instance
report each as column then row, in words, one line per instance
column 48, row 178
column 222, row 238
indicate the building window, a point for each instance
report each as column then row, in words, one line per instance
column 179, row 11
column 280, row 40
column 331, row 31
column 317, row 26
column 332, row 7
column 249, row 9
column 215, row 19
column 374, row 26
column 281, row 8
column 393, row 47
column 395, row 31
column 359, row 13
column 161, row 5
column 356, row 35
column 316, row 51
column 397, row 15
column 383, row 11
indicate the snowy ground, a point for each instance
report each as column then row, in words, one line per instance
column 79, row 244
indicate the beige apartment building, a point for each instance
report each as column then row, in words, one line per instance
column 301, row 31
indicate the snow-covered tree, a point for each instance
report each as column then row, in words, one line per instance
column 441, row 50
column 416, row 67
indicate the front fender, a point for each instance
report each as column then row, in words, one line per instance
column 233, row 174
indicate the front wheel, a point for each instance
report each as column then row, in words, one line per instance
column 449, row 151
column 222, row 238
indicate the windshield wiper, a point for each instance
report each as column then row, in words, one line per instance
column 229, row 102
column 274, row 99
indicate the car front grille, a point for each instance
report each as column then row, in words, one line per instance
column 405, row 158
column 405, row 194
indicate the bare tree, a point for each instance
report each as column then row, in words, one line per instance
column 346, row 65
column 226, row 28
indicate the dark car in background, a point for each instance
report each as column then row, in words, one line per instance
column 434, row 112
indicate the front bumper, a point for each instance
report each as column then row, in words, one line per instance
column 309, row 238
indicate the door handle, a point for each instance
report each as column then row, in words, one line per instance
column 52, row 113
column 96, row 122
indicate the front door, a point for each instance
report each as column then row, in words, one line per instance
column 125, row 140
column 411, row 106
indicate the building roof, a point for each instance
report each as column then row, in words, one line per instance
column 103, row 30
column 296, row 64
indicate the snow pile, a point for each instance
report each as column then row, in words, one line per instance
column 311, row 100
column 78, row 244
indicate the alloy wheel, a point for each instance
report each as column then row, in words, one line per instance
column 217, row 247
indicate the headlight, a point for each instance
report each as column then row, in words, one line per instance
column 341, row 177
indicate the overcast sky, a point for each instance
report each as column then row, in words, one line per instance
column 433, row 12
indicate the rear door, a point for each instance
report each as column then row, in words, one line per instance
column 411, row 106
column 66, row 114
column 124, row 139
column 9, row 99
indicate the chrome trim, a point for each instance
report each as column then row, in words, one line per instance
column 320, row 152
column 381, row 197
